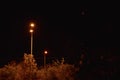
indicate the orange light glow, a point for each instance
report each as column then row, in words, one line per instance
column 32, row 25
column 45, row 52
column 31, row 30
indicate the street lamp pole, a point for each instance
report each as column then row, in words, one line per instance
column 31, row 31
column 31, row 43
column 45, row 52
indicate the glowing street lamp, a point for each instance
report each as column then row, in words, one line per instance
column 45, row 53
column 32, row 25
column 31, row 31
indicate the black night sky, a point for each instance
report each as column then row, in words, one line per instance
column 65, row 29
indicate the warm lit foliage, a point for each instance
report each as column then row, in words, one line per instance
column 57, row 71
column 28, row 70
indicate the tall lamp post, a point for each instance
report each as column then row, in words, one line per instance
column 45, row 53
column 32, row 25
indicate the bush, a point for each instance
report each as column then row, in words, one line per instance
column 28, row 70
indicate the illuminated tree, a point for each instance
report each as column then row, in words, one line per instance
column 28, row 70
column 29, row 66
column 57, row 71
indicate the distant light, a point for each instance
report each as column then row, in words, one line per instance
column 45, row 52
column 31, row 30
column 32, row 25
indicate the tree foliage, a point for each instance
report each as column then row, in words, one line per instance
column 28, row 70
